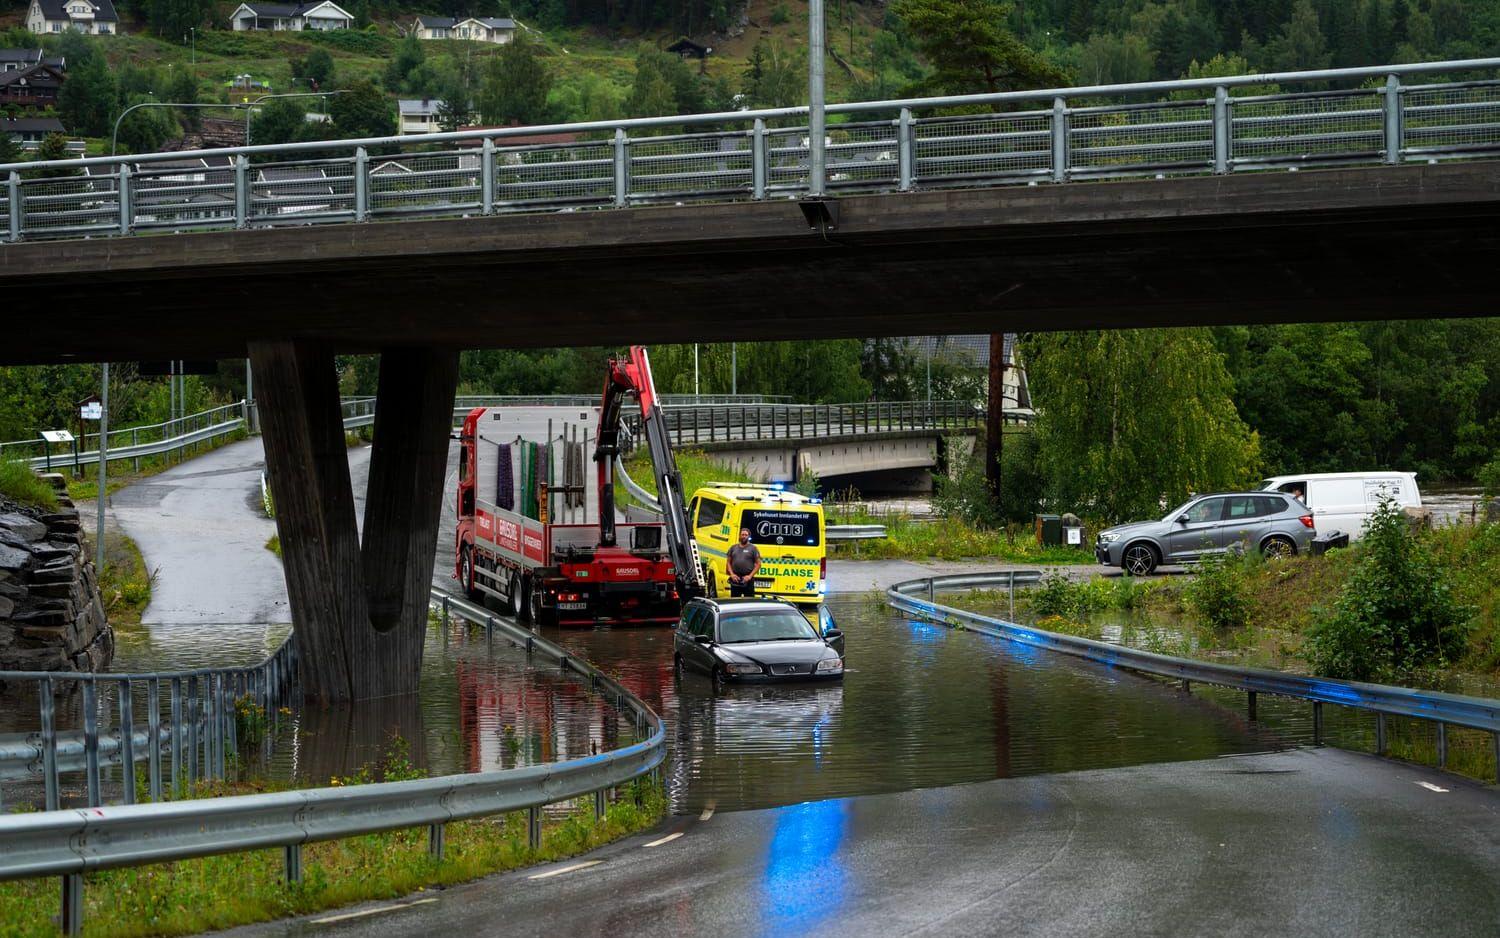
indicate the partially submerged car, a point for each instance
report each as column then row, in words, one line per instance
column 1274, row 523
column 754, row 641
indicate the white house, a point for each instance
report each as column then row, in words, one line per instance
column 418, row 115
column 96, row 17
column 496, row 29
column 295, row 17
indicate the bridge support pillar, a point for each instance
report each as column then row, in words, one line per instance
column 359, row 610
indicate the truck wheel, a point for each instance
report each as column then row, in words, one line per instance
column 516, row 595
column 466, row 574
column 537, row 611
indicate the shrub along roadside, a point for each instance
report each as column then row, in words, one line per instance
column 1397, row 612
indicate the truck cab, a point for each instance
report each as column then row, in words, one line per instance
column 788, row 528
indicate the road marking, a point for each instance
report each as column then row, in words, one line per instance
column 665, row 840
column 1431, row 787
column 707, row 813
column 566, row 869
column 329, row 920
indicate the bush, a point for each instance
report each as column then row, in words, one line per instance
column 967, row 495
column 1489, row 478
column 1219, row 594
column 19, row 482
column 1397, row 611
column 780, row 15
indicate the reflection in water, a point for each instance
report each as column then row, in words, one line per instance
column 920, row 706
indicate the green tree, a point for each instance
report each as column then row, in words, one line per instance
column 362, row 111
column 1129, row 419
column 317, row 68
column 1109, row 59
column 10, row 150
column 283, row 120
column 87, row 99
column 664, row 85
column 971, row 48
column 516, row 85
column 173, row 18
column 53, row 147
column 1300, row 46
column 409, row 54
column 146, row 129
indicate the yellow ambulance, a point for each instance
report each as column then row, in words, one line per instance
column 788, row 528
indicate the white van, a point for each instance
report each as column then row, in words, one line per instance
column 1342, row 501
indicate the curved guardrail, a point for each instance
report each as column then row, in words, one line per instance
column 132, row 442
column 70, row 843
column 1332, row 117
column 1383, row 700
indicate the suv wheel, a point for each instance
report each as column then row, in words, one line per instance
column 1139, row 559
column 1278, row 546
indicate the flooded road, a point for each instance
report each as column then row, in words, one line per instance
column 920, row 706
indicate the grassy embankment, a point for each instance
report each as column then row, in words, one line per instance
column 1272, row 614
column 907, row 538
column 224, row 891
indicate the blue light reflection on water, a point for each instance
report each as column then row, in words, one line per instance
column 804, row 881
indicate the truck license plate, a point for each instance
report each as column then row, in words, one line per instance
column 571, row 606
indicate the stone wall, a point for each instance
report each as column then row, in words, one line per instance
column 51, row 614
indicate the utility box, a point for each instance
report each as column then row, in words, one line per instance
column 1049, row 532
column 1333, row 540
column 1072, row 530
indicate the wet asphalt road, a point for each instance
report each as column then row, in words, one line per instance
column 1305, row 842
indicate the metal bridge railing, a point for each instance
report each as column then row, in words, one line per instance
column 919, row 598
column 696, row 425
column 1386, row 114
column 72, row 842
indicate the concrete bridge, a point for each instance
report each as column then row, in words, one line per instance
column 993, row 221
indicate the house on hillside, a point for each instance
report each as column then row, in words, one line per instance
column 496, row 29
column 33, row 86
column 96, row 17
column 14, row 60
column 29, row 131
column 278, row 17
column 689, row 49
column 418, row 115
column 972, row 352
column 177, row 194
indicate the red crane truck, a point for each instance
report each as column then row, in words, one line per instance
column 539, row 533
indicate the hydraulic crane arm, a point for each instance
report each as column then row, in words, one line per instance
column 633, row 376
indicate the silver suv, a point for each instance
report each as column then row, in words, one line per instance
column 1274, row 523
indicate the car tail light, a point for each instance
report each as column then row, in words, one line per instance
column 822, row 568
column 1307, row 520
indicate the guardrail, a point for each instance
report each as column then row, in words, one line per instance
column 190, row 714
column 1443, row 710
column 1015, row 138
column 73, row 842
column 854, row 532
column 692, row 424
column 171, row 436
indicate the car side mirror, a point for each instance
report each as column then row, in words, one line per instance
column 1182, row 519
column 703, row 639
column 832, row 634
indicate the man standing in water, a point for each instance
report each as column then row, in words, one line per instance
column 743, row 562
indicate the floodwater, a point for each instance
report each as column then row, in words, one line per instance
column 920, row 706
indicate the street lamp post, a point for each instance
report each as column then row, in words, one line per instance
column 816, row 158
column 115, row 136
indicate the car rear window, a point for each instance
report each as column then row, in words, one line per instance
column 782, row 528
